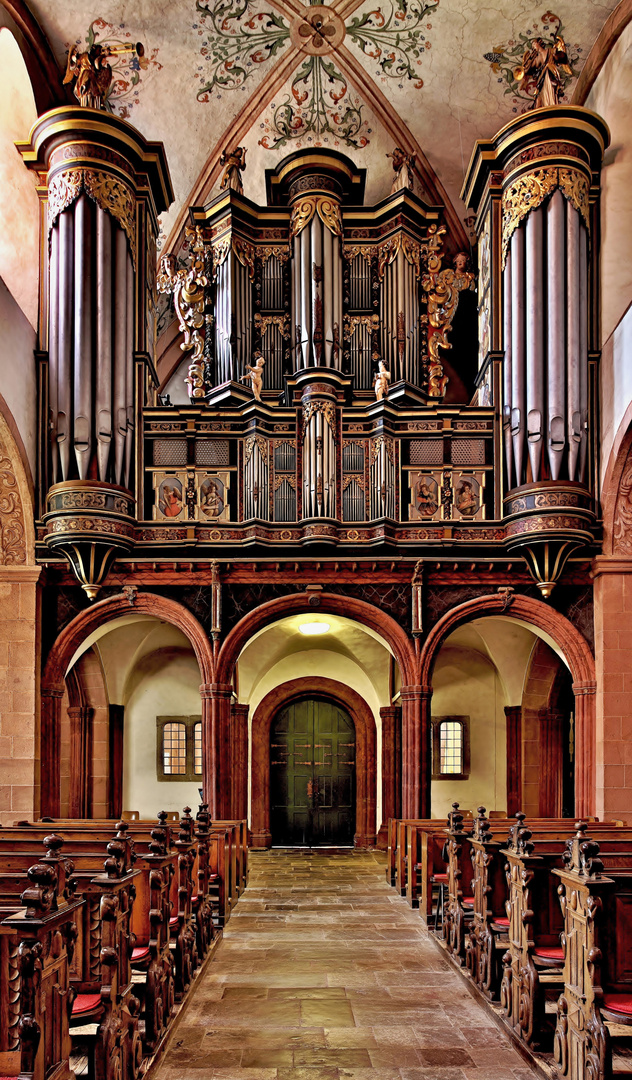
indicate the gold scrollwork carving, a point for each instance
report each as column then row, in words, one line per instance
column 442, row 288
column 187, row 286
column 411, row 249
column 249, row 445
column 111, row 194
column 282, row 322
column 327, row 209
column 327, row 408
column 376, row 445
column 528, row 192
column 367, row 251
column 357, row 478
column 220, row 249
column 275, row 250
column 284, row 478
column 245, row 252
column 352, row 322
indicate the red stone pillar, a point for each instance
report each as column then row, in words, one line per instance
column 50, row 720
column 115, row 744
column 416, row 701
column 239, row 759
column 391, row 717
column 80, row 717
column 215, row 747
column 513, row 714
column 585, row 771
column 551, row 763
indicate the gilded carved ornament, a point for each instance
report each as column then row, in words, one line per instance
column 245, row 252
column 352, row 322
column 280, row 253
column 112, row 195
column 187, row 286
column 390, row 249
column 328, row 410
column 282, row 322
column 442, row 288
column 378, row 443
column 249, row 445
column 528, row 192
column 327, row 209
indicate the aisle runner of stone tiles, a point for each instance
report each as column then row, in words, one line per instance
column 325, row 973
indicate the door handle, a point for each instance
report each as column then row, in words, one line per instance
column 312, row 789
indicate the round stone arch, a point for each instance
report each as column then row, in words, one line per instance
column 573, row 647
column 366, row 742
column 65, row 647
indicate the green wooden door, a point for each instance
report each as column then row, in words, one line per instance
column 312, row 775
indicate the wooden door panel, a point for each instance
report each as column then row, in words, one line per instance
column 312, row 775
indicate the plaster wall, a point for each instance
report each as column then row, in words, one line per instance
column 466, row 683
column 610, row 97
column 18, row 384
column 166, row 684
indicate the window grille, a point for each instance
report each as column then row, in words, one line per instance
column 170, row 452
column 174, row 749
column 450, row 747
column 179, row 748
column 197, row 749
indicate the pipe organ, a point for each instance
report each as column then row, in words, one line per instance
column 264, row 428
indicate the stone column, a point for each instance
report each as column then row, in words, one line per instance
column 19, row 696
column 416, row 751
column 50, row 715
column 115, row 778
column 591, row 796
column 239, row 759
column 80, row 717
column 215, row 757
column 391, row 717
column 513, row 714
column 551, row 763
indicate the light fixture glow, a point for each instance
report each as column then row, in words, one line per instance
column 314, row 627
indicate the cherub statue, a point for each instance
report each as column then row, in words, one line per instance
column 235, row 162
column 403, row 165
column 542, row 71
column 255, row 375
column 93, row 74
column 381, row 381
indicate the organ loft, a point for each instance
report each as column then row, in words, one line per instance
column 315, row 548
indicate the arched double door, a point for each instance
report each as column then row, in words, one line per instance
column 312, row 775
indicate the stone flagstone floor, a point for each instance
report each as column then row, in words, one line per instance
column 325, row 973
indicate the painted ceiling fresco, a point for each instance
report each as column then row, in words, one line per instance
column 361, row 77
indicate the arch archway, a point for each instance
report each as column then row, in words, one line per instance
column 71, row 638
column 573, row 647
column 366, row 772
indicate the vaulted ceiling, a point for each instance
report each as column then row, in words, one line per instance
column 359, row 75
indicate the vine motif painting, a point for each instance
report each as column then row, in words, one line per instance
column 319, row 107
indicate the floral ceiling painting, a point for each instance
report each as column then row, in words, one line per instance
column 320, row 108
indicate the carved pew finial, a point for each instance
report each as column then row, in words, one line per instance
column 121, row 853
column 160, row 835
column 581, row 853
column 203, row 818
column 455, row 818
column 481, row 826
column 186, row 825
column 519, row 837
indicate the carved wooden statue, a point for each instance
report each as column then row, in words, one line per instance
column 187, row 285
column 382, row 380
column 403, row 165
column 543, row 70
column 255, row 375
column 92, row 72
column 235, row 163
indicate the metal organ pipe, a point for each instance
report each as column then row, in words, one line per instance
column 120, row 353
column 129, row 381
column 66, row 226
column 556, row 358
column 316, row 289
column 518, row 351
column 583, row 350
column 573, row 316
column 507, row 372
column 104, row 342
column 305, row 294
column 83, row 360
column 328, row 297
column 535, row 339
column 53, row 348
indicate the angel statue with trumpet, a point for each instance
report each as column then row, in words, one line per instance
column 92, row 72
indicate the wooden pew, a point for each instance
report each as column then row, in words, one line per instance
column 597, row 911
column 487, row 938
column 41, row 1003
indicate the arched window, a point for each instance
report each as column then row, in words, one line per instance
column 450, row 747
column 179, row 747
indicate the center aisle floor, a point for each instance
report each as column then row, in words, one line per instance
column 324, row 972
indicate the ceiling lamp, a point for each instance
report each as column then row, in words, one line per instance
column 314, row 627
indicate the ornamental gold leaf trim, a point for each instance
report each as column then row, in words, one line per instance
column 327, row 408
column 352, row 322
column 220, row 249
column 249, row 445
column 245, row 252
column 282, row 322
column 528, row 192
column 273, row 250
column 327, row 209
column 390, row 249
column 112, row 195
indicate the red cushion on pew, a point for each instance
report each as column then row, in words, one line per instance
column 621, row 1003
column 502, row 920
column 439, row 877
column 213, row 877
column 552, row 952
column 173, row 921
column 469, row 900
column 85, row 1003
column 140, row 953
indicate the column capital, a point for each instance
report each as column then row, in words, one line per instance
column 215, row 690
